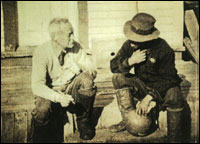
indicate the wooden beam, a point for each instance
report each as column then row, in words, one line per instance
column 190, row 48
column 20, row 127
column 192, row 28
column 83, row 23
column 10, row 25
column 7, row 127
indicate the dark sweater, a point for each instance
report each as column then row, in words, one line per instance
column 157, row 72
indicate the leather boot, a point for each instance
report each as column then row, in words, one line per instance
column 124, row 101
column 174, row 125
column 125, row 105
column 118, row 127
column 85, row 106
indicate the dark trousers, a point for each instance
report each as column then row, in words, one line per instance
column 48, row 118
column 173, row 98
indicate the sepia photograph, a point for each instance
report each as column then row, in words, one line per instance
column 99, row 71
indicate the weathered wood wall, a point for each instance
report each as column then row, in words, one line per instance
column 2, row 31
column 106, row 19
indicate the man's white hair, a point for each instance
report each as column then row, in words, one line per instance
column 58, row 25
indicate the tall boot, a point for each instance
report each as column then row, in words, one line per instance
column 85, row 106
column 125, row 105
column 174, row 125
column 124, row 101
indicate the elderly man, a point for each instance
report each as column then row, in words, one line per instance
column 145, row 62
column 62, row 79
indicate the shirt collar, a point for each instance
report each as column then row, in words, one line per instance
column 56, row 50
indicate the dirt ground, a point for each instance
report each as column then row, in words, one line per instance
column 105, row 136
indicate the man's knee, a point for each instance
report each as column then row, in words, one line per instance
column 174, row 98
column 87, row 86
column 86, row 80
column 42, row 110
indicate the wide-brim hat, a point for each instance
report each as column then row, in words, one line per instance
column 141, row 28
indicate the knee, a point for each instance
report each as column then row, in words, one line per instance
column 86, row 80
column 117, row 79
column 42, row 110
column 87, row 87
column 174, row 98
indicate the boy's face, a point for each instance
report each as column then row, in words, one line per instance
column 134, row 44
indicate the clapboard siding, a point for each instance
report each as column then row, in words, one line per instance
column 106, row 19
column 34, row 17
column 113, row 6
column 169, row 12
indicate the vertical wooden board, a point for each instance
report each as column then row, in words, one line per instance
column 29, row 132
column 10, row 25
column 7, row 127
column 192, row 25
column 20, row 127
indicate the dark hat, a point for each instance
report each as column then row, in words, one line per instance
column 141, row 28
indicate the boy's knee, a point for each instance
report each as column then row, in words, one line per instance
column 174, row 98
column 118, row 79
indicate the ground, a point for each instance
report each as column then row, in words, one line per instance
column 105, row 136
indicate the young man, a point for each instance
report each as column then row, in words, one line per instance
column 62, row 79
column 146, row 62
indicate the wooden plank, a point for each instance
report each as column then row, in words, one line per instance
column 8, row 62
column 191, row 49
column 24, row 53
column 16, row 92
column 110, row 15
column 17, row 100
column 111, row 7
column 20, row 128
column 29, row 116
column 16, row 76
column 107, row 23
column 7, row 87
column 83, row 26
column 192, row 26
column 7, row 127
column 16, row 108
column 106, row 30
column 10, row 25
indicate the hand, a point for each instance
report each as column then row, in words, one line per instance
column 137, row 57
column 142, row 107
column 65, row 99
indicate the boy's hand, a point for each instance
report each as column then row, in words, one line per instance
column 142, row 107
column 137, row 57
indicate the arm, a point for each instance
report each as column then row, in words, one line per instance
column 39, row 73
column 119, row 64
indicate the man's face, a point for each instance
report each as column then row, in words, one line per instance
column 65, row 37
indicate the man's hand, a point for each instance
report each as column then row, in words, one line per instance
column 142, row 107
column 137, row 57
column 64, row 99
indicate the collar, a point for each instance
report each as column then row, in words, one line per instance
column 56, row 49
